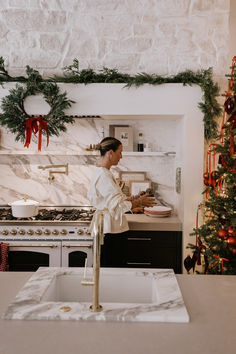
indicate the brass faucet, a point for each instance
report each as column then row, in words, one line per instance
column 52, row 172
column 98, row 241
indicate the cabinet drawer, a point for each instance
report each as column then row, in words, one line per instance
column 160, row 238
column 143, row 249
column 166, row 258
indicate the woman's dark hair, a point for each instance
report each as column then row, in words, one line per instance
column 107, row 144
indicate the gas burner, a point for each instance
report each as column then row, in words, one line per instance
column 5, row 214
column 65, row 214
column 52, row 214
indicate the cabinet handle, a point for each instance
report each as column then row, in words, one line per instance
column 139, row 239
column 33, row 245
column 138, row 263
column 78, row 245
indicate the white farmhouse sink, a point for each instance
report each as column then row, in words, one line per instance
column 125, row 295
column 116, row 288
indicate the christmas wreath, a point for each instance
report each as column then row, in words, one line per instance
column 19, row 122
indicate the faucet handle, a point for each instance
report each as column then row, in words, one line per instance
column 86, row 281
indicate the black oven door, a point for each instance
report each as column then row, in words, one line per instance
column 28, row 256
column 74, row 253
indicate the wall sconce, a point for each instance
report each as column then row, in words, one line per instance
column 52, row 172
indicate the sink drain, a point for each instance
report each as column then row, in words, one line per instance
column 65, row 308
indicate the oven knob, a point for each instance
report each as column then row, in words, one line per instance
column 47, row 232
column 30, row 232
column 13, row 232
column 38, row 232
column 4, row 232
column 63, row 232
column 55, row 232
column 80, row 232
column 21, row 232
column 88, row 232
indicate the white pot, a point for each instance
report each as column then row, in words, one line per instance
column 24, row 208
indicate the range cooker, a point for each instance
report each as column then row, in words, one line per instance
column 57, row 236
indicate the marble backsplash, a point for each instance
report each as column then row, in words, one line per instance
column 20, row 175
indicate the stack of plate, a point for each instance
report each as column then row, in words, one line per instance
column 158, row 211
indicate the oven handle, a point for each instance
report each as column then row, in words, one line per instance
column 88, row 245
column 34, row 245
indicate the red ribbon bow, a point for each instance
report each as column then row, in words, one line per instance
column 35, row 125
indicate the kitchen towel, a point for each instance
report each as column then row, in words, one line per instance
column 4, row 247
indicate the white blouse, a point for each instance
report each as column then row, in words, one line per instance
column 105, row 194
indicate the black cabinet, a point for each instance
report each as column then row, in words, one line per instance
column 143, row 249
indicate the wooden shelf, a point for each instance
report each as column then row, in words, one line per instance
column 151, row 153
column 84, row 153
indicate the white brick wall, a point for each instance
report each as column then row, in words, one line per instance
column 161, row 36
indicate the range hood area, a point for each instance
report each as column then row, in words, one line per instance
column 169, row 117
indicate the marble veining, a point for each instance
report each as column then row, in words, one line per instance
column 167, row 304
column 20, row 176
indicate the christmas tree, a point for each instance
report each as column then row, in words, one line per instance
column 215, row 239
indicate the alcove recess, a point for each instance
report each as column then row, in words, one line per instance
column 172, row 102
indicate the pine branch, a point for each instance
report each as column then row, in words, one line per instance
column 72, row 74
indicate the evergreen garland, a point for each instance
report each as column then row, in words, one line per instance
column 72, row 74
column 13, row 114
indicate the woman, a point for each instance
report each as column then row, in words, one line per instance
column 106, row 195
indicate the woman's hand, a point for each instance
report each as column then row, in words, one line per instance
column 142, row 201
column 137, row 210
column 148, row 201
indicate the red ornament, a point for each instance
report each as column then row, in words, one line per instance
column 213, row 179
column 209, row 179
column 233, row 250
column 223, row 234
column 229, row 105
column 231, row 241
column 231, row 231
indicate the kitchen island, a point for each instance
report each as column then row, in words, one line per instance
column 209, row 299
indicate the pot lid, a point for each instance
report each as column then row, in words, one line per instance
column 24, row 201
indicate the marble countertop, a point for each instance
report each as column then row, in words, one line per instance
column 210, row 301
column 144, row 222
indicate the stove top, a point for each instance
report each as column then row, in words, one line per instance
column 53, row 214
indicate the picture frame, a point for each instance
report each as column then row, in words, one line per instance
column 112, row 128
column 135, row 187
column 127, row 176
column 125, row 135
